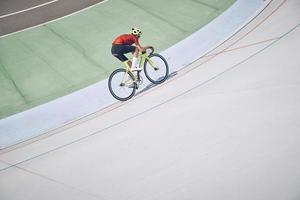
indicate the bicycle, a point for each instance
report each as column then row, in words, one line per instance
column 123, row 83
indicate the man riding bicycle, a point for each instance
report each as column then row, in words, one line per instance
column 124, row 44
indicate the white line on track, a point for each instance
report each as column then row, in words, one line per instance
column 21, row 11
column 101, row 2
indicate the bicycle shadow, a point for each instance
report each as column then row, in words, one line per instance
column 151, row 85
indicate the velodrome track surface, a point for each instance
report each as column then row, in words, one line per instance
column 64, row 55
column 226, row 127
column 34, row 69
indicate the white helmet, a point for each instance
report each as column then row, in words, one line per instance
column 136, row 31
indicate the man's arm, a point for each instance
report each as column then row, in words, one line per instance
column 141, row 49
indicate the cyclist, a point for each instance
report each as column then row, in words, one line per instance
column 124, row 44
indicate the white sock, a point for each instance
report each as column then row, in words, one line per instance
column 134, row 62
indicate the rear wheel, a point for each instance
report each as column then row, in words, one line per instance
column 156, row 68
column 121, row 84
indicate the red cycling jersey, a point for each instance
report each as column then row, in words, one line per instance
column 127, row 39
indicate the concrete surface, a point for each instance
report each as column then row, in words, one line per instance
column 227, row 127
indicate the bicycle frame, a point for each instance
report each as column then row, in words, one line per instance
column 142, row 57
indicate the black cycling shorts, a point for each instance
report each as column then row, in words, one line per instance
column 118, row 50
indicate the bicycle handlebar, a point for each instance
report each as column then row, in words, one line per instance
column 151, row 48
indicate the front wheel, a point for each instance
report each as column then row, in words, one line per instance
column 156, row 68
column 121, row 84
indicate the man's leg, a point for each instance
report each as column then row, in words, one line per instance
column 135, row 61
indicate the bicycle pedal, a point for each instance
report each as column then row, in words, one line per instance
column 136, row 69
column 132, row 85
column 139, row 82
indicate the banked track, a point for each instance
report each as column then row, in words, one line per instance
column 226, row 127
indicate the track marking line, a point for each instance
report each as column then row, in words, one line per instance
column 241, row 47
column 38, row 25
column 32, row 8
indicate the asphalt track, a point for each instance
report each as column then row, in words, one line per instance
column 227, row 127
column 18, row 15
